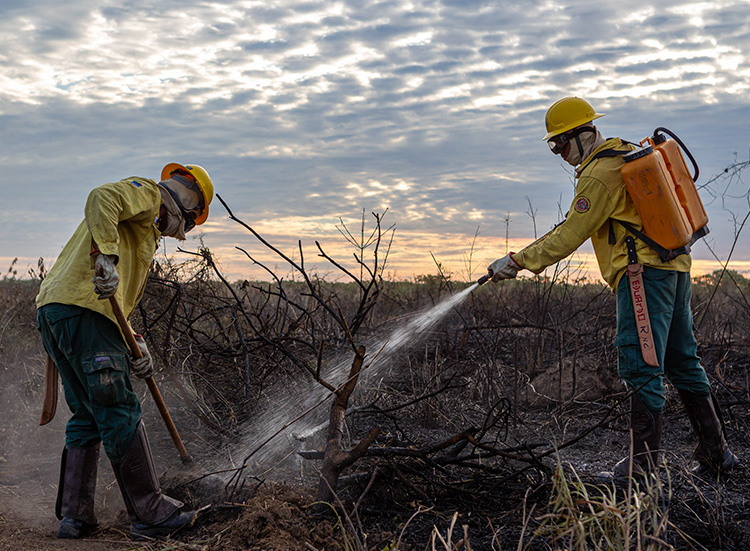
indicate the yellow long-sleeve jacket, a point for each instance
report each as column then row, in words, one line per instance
column 601, row 199
column 119, row 220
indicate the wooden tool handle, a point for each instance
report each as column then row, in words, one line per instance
column 155, row 394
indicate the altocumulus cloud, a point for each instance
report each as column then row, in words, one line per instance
column 308, row 112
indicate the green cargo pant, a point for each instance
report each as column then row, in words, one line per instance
column 94, row 365
column 668, row 298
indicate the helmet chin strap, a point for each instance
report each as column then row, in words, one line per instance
column 578, row 133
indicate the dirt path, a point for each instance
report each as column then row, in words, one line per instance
column 29, row 471
column 16, row 535
column 27, row 510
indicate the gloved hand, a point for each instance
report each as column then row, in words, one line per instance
column 143, row 367
column 106, row 279
column 504, row 268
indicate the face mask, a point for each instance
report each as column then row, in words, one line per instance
column 574, row 157
column 175, row 223
column 186, row 195
column 583, row 144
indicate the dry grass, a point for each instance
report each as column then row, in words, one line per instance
column 587, row 517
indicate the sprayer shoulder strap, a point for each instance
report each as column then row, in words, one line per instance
column 665, row 255
column 607, row 153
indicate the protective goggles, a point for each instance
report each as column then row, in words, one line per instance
column 558, row 143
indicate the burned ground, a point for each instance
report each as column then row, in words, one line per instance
column 493, row 413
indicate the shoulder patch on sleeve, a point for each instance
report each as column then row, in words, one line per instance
column 136, row 183
column 582, row 204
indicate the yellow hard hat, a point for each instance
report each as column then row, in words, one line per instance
column 201, row 177
column 566, row 114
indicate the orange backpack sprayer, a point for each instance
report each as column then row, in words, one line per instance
column 663, row 192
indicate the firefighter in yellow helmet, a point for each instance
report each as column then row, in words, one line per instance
column 598, row 211
column 110, row 254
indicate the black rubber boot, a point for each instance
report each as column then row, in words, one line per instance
column 152, row 514
column 712, row 453
column 75, row 492
column 646, row 428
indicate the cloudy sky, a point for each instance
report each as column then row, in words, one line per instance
column 306, row 113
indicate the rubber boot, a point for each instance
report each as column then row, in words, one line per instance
column 645, row 428
column 152, row 514
column 75, row 492
column 712, row 453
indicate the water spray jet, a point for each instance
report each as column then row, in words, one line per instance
column 297, row 413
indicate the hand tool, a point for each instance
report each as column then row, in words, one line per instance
column 135, row 351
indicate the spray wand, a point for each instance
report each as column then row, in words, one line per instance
column 485, row 278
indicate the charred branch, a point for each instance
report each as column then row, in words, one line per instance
column 335, row 459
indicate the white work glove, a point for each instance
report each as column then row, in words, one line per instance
column 143, row 367
column 504, row 268
column 106, row 279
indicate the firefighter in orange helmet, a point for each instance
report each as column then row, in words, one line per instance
column 110, row 254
